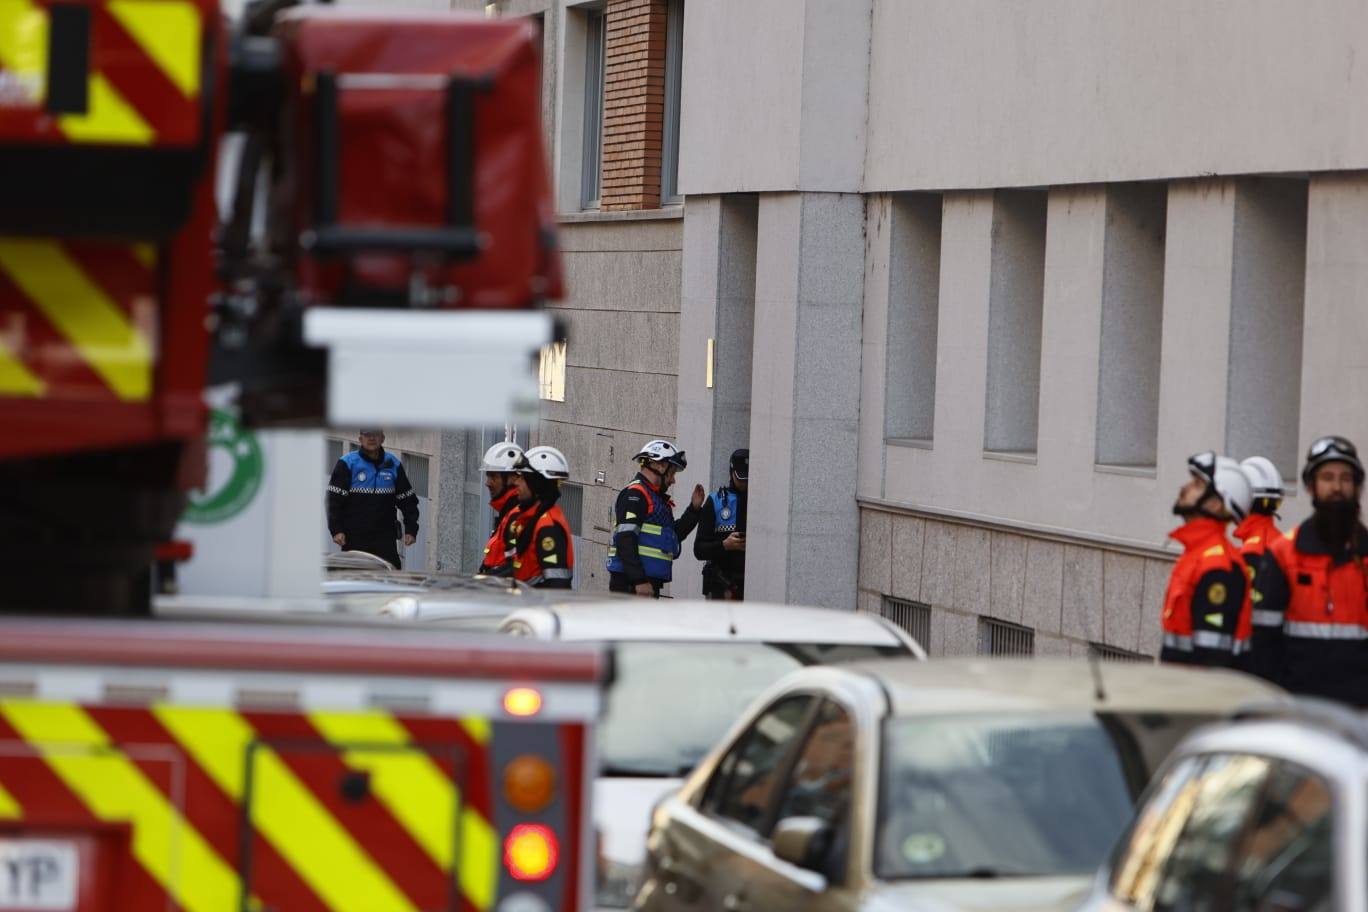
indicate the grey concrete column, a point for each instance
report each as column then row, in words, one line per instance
column 717, row 306
column 448, row 521
column 803, row 526
column 1334, row 385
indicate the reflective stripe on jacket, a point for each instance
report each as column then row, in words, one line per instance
column 1206, row 618
column 657, row 543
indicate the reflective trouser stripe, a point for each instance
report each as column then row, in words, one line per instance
column 1181, row 643
column 626, row 527
column 1317, row 630
column 1266, row 618
column 1206, row 639
column 558, row 573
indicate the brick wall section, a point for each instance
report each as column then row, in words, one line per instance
column 633, row 104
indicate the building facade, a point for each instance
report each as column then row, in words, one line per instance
column 971, row 279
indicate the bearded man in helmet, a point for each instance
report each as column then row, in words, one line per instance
column 539, row 542
column 1206, row 616
column 500, row 467
column 1313, row 584
column 646, row 536
column 1256, row 533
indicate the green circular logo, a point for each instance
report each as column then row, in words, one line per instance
column 232, row 497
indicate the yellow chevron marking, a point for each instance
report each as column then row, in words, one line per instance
column 23, row 46
column 9, row 807
column 110, row 119
column 171, row 850
column 146, row 254
column 15, row 378
column 169, row 33
column 285, row 811
column 478, row 728
column 83, row 313
column 419, row 795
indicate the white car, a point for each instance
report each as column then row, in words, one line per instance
column 1268, row 813
column 684, row 671
column 956, row 784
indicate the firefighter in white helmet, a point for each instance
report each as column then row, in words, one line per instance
column 1256, row 534
column 539, row 535
column 1206, row 608
column 500, row 467
column 646, row 536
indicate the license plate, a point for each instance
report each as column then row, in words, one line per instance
column 38, row 874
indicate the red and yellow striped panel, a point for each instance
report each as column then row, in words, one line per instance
column 78, row 320
column 417, row 837
column 143, row 83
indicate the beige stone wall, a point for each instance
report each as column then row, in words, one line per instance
column 1068, row 592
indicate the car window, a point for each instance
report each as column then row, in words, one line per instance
column 820, row 784
column 671, row 702
column 744, row 785
column 985, row 795
column 1288, row 856
column 1196, row 873
column 1136, row 865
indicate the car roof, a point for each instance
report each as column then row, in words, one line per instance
column 699, row 620
column 987, row 684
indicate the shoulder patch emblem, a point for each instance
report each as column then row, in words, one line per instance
column 360, row 476
column 726, row 513
column 548, row 544
column 1216, row 593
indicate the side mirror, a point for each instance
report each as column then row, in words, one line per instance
column 802, row 841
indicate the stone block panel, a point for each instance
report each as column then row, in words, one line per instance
column 1007, row 583
column 876, row 536
column 1123, row 600
column 1044, row 590
column 1082, row 593
column 909, row 535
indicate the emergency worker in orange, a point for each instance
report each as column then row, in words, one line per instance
column 1313, row 584
column 1256, row 533
column 539, row 535
column 1206, row 608
column 500, row 465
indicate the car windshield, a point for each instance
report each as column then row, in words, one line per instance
column 1020, row 795
column 671, row 702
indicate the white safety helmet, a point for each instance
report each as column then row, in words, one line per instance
column 662, row 451
column 1226, row 479
column 501, row 457
column 546, row 461
column 1264, row 478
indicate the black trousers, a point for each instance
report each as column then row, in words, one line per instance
column 618, row 582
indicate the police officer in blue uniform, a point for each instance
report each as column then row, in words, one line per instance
column 646, row 536
column 366, row 487
column 721, row 540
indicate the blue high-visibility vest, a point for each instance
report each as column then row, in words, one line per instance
column 657, row 544
column 724, row 510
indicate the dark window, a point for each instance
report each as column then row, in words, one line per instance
column 743, row 788
column 416, row 468
column 572, row 505
column 1115, row 654
column 913, row 617
column 334, row 450
column 1001, row 638
column 594, row 62
column 674, row 51
column 821, row 783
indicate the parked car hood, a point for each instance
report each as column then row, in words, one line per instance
column 1008, row 894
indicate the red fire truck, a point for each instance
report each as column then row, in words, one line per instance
column 386, row 164
column 388, row 167
column 153, row 765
